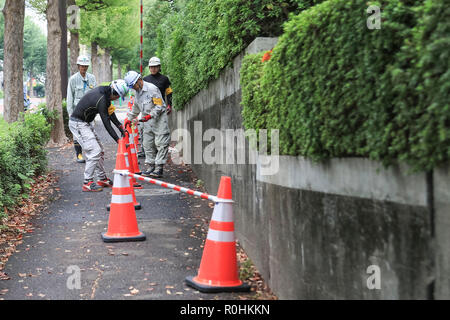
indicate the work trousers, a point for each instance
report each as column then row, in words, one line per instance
column 94, row 153
column 156, row 146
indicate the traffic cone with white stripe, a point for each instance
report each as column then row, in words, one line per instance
column 130, row 103
column 134, row 149
column 136, row 142
column 218, row 270
column 122, row 224
column 134, row 167
column 123, row 163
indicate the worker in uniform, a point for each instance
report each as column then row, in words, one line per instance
column 163, row 84
column 96, row 101
column 156, row 135
column 160, row 80
column 79, row 84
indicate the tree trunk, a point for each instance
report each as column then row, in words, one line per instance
column 30, row 90
column 53, row 77
column 107, row 66
column 119, row 70
column 94, row 62
column 63, row 26
column 74, row 45
column 100, row 67
column 14, row 12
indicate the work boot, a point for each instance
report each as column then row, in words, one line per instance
column 105, row 183
column 149, row 171
column 91, row 186
column 158, row 172
column 80, row 158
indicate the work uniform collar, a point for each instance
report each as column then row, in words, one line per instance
column 83, row 78
column 144, row 86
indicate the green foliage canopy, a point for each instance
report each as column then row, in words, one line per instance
column 114, row 27
column 196, row 39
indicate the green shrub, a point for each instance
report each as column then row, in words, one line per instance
column 334, row 88
column 22, row 155
column 199, row 39
column 255, row 112
column 66, row 120
column 422, row 90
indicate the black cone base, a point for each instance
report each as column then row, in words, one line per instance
column 214, row 289
column 136, row 207
column 106, row 238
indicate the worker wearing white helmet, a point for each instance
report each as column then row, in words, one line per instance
column 160, row 80
column 79, row 84
column 96, row 101
column 156, row 134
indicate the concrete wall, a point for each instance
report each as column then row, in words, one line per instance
column 441, row 206
column 313, row 229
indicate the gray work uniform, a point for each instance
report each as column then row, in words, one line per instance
column 156, row 133
column 77, row 88
column 85, row 134
column 94, row 102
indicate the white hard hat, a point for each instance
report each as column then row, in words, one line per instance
column 154, row 61
column 120, row 86
column 83, row 61
column 131, row 78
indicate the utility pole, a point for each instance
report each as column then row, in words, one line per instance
column 63, row 24
column 140, row 51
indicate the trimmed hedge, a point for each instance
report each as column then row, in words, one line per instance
column 334, row 88
column 22, row 156
column 197, row 40
column 422, row 91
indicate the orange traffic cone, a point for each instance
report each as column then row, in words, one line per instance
column 218, row 270
column 122, row 225
column 123, row 163
column 130, row 103
column 133, row 151
column 136, row 138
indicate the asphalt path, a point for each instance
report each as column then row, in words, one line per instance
column 67, row 238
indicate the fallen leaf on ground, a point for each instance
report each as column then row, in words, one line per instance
column 4, row 276
column 134, row 291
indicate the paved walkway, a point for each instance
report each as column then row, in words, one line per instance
column 67, row 236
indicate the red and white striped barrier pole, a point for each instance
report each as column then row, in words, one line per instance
column 172, row 186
